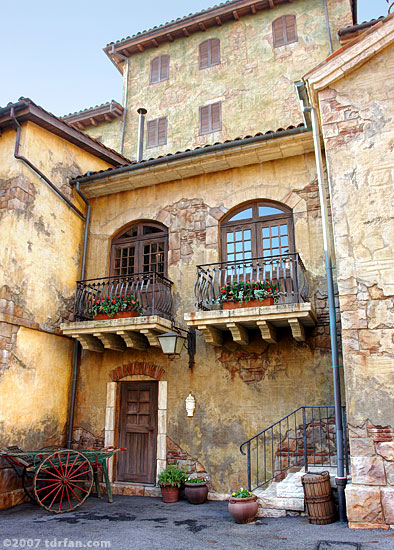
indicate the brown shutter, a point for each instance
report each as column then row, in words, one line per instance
column 151, row 133
column 278, row 32
column 164, row 67
column 215, row 51
column 216, row 116
column 204, row 54
column 154, row 70
column 162, row 131
column 290, row 28
column 205, row 119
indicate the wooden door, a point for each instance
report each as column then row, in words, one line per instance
column 137, row 432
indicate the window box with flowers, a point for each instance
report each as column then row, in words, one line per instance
column 116, row 307
column 243, row 294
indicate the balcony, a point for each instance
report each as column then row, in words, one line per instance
column 154, row 294
column 291, row 308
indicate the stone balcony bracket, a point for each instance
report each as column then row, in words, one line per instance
column 268, row 320
column 118, row 334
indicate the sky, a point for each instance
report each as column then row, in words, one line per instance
column 51, row 51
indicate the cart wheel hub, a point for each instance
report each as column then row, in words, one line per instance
column 65, row 481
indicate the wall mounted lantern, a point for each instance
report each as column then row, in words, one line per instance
column 172, row 342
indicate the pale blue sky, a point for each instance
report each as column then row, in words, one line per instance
column 51, row 51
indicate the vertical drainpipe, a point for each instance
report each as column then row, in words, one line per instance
column 126, row 95
column 77, row 345
column 328, row 26
column 340, row 477
column 141, row 126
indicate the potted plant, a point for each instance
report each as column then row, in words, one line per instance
column 243, row 506
column 116, row 306
column 196, row 490
column 170, row 480
column 241, row 294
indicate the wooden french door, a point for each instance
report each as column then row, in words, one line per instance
column 137, row 432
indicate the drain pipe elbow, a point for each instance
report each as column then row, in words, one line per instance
column 141, row 128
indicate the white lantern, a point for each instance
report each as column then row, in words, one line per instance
column 190, row 405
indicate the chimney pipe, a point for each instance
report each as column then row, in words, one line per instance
column 141, row 126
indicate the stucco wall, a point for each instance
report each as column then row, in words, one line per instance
column 238, row 389
column 357, row 116
column 41, row 246
column 254, row 82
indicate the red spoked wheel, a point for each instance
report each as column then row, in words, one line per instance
column 63, row 481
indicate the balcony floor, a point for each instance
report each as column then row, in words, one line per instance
column 118, row 334
column 267, row 319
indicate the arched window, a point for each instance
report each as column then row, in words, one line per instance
column 259, row 229
column 159, row 69
column 284, row 30
column 141, row 248
column 209, row 53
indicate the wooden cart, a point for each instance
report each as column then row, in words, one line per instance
column 59, row 479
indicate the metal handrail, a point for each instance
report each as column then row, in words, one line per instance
column 150, row 288
column 293, row 442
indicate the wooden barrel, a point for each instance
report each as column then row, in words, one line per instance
column 318, row 498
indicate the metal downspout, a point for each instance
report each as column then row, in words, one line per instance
column 328, row 26
column 340, row 478
column 77, row 345
column 126, row 95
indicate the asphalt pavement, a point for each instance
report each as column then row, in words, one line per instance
column 143, row 523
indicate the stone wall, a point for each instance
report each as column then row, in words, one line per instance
column 357, row 116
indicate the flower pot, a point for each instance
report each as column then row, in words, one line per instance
column 119, row 315
column 252, row 303
column 243, row 510
column 170, row 493
column 196, row 493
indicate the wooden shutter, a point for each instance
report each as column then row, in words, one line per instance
column 204, row 54
column 156, row 132
column 290, row 28
column 162, row 131
column 284, row 30
column 164, row 67
column 215, row 51
column 154, row 70
column 216, row 116
column 211, row 118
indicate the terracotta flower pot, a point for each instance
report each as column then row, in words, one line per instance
column 119, row 315
column 252, row 303
column 243, row 510
column 196, row 493
column 170, row 493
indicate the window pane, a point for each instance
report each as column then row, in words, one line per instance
column 230, row 237
column 284, row 241
column 117, row 253
column 238, row 235
column 247, row 234
column 266, row 243
column 148, row 229
column 275, row 251
column 266, row 253
column 275, row 241
column 230, row 258
column 274, row 231
column 266, row 231
column 247, row 245
column 247, row 255
column 230, row 248
column 238, row 247
column 244, row 215
column 269, row 211
column 239, row 256
column 283, row 229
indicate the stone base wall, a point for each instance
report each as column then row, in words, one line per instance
column 11, row 491
column 370, row 498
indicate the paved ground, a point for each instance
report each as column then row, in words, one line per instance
column 138, row 523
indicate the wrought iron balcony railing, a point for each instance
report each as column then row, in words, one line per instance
column 287, row 271
column 150, row 288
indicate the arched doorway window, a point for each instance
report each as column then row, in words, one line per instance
column 257, row 230
column 141, row 248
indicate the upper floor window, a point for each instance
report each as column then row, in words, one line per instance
column 159, row 69
column 141, row 248
column 156, row 132
column 284, row 30
column 211, row 118
column 259, row 229
column 209, row 53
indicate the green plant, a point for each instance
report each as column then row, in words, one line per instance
column 171, row 475
column 242, row 493
column 244, row 291
column 196, row 480
column 114, row 304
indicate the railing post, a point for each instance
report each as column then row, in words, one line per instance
column 305, row 440
column 249, row 470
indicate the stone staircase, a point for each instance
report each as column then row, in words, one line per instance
column 286, row 497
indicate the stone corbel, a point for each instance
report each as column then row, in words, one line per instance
column 133, row 339
column 89, row 342
column 297, row 329
column 268, row 332
column 152, row 337
column 239, row 333
column 211, row 334
column 111, row 341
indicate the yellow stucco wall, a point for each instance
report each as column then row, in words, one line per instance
column 42, row 244
column 232, row 405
